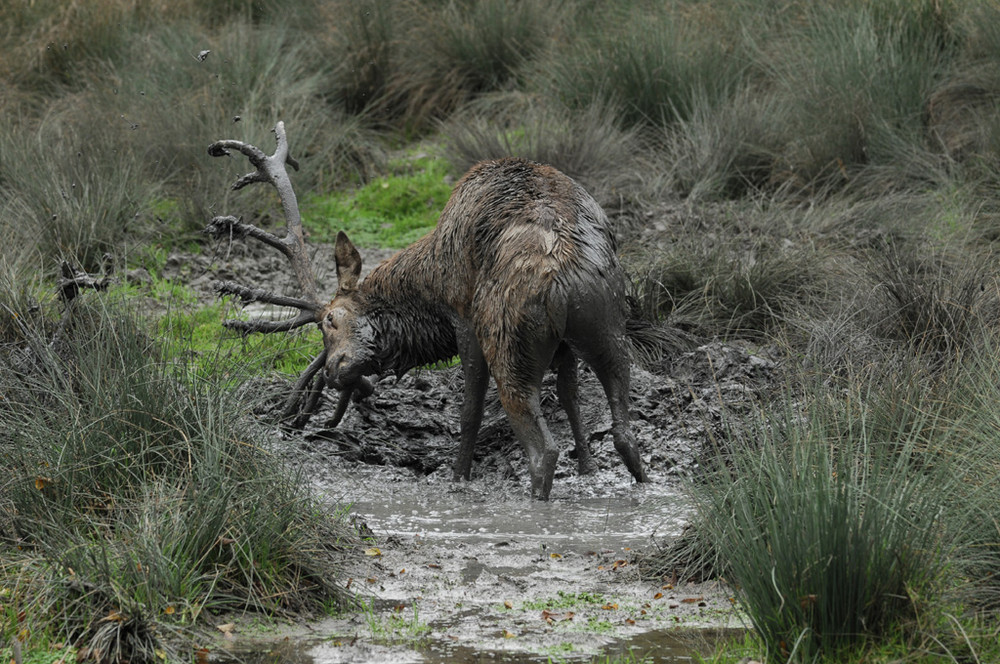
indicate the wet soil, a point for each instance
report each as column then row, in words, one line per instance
column 476, row 571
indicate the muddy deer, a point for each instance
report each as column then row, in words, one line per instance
column 519, row 276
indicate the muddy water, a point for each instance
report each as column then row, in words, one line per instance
column 576, row 519
column 476, row 572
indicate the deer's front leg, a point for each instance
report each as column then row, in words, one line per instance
column 477, row 379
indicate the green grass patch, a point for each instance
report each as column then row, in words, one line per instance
column 401, row 625
column 196, row 336
column 391, row 211
column 192, row 334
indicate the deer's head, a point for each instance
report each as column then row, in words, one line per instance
column 347, row 338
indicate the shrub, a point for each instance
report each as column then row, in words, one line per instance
column 366, row 42
column 727, row 150
column 484, row 43
column 78, row 187
column 463, row 49
column 938, row 305
column 855, row 80
column 725, row 291
column 49, row 43
column 93, row 175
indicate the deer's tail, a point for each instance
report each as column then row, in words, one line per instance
column 650, row 341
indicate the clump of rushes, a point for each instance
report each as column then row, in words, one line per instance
column 727, row 291
column 652, row 63
column 854, row 81
column 588, row 145
column 830, row 536
column 139, row 500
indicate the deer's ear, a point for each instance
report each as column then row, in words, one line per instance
column 348, row 263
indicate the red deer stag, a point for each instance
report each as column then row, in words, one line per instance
column 519, row 275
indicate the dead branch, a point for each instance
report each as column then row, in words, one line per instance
column 74, row 280
column 306, row 393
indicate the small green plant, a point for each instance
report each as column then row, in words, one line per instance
column 396, row 627
column 598, row 625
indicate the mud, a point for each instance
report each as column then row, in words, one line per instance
column 476, row 571
column 469, row 572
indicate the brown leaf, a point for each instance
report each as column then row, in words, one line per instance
column 658, row 596
column 373, row 551
column 610, row 606
column 692, row 600
column 226, row 628
column 508, row 604
column 552, row 616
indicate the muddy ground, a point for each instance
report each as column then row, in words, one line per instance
column 476, row 571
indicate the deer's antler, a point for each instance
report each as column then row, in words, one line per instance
column 270, row 169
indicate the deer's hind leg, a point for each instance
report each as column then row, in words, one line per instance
column 605, row 352
column 567, row 382
column 519, row 384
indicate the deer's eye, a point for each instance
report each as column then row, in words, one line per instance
column 328, row 321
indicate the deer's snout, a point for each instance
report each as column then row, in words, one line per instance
column 336, row 373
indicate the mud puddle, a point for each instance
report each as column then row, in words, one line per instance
column 477, row 572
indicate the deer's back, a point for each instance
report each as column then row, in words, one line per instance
column 518, row 245
column 514, row 229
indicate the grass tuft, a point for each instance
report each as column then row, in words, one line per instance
column 587, row 145
column 138, row 497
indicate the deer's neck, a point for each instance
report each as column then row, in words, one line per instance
column 411, row 324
